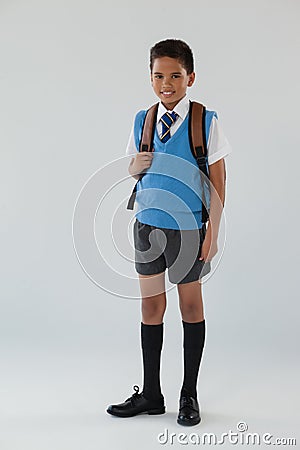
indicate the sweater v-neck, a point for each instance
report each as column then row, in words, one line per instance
column 174, row 137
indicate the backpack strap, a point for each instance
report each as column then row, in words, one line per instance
column 148, row 129
column 197, row 136
column 145, row 144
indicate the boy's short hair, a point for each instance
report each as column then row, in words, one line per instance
column 173, row 48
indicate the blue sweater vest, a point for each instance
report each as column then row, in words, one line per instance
column 169, row 194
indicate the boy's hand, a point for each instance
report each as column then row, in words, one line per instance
column 140, row 163
column 209, row 247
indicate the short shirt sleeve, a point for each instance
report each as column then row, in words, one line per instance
column 132, row 146
column 218, row 146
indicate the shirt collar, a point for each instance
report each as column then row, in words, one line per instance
column 181, row 108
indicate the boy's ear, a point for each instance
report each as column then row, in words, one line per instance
column 151, row 78
column 192, row 77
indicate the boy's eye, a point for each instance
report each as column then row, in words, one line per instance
column 161, row 76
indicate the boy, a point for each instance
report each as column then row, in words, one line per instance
column 168, row 228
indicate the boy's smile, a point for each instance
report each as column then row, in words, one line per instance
column 170, row 81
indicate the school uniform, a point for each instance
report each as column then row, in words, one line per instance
column 169, row 197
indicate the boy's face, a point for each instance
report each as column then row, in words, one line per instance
column 170, row 81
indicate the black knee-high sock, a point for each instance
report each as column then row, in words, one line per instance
column 193, row 343
column 151, row 340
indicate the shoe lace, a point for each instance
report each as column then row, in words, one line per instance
column 187, row 401
column 134, row 396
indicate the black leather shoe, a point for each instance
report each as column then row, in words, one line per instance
column 188, row 410
column 137, row 404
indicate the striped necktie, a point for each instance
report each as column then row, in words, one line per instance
column 167, row 120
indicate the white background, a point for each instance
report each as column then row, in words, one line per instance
column 72, row 76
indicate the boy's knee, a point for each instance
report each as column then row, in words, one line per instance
column 153, row 308
column 189, row 306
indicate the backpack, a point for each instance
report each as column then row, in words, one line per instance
column 197, row 140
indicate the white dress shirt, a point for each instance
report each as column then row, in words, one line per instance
column 218, row 146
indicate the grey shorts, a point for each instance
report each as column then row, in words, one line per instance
column 158, row 249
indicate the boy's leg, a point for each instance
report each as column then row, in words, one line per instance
column 191, row 306
column 149, row 261
column 191, row 301
column 153, row 294
column 153, row 309
column 150, row 265
column 150, row 399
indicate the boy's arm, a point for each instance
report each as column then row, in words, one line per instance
column 131, row 150
column 141, row 161
column 130, row 170
column 217, row 176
